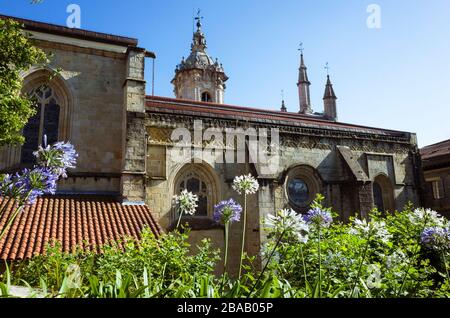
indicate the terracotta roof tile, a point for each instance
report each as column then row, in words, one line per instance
column 85, row 221
column 73, row 32
column 195, row 108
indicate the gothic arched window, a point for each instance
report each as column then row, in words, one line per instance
column 206, row 97
column 383, row 194
column 195, row 183
column 200, row 179
column 44, row 122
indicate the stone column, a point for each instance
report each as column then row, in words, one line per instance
column 266, row 205
column 134, row 152
column 365, row 196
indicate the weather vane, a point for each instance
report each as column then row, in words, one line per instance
column 300, row 48
column 327, row 67
column 199, row 18
column 282, row 94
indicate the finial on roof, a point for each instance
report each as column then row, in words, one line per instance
column 283, row 106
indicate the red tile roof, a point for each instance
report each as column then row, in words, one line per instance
column 189, row 107
column 85, row 221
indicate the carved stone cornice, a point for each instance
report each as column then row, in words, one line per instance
column 290, row 136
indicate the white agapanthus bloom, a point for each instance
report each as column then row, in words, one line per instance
column 421, row 216
column 289, row 222
column 186, row 202
column 395, row 259
column 245, row 184
column 375, row 229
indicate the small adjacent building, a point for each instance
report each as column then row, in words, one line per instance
column 436, row 170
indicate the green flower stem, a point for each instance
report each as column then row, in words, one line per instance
column 243, row 235
column 363, row 258
column 304, row 267
column 444, row 258
column 225, row 261
column 320, row 265
column 179, row 219
column 14, row 215
column 267, row 263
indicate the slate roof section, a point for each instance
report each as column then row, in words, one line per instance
column 85, row 221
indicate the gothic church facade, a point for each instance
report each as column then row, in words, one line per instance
column 125, row 139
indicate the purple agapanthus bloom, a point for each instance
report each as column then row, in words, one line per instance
column 436, row 238
column 27, row 186
column 227, row 211
column 35, row 183
column 319, row 217
column 59, row 157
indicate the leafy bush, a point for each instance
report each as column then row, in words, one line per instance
column 399, row 255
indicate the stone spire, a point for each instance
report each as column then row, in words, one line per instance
column 329, row 101
column 303, row 88
column 283, row 107
column 199, row 77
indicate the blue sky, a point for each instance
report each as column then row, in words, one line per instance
column 395, row 77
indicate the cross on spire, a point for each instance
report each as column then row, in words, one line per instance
column 300, row 48
column 199, row 18
column 327, row 67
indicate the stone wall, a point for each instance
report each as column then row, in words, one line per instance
column 343, row 192
column 93, row 82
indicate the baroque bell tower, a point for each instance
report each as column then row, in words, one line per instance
column 198, row 77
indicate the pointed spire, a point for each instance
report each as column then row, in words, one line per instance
column 303, row 86
column 283, row 106
column 303, row 74
column 329, row 91
column 329, row 100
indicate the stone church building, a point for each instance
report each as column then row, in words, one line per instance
column 126, row 141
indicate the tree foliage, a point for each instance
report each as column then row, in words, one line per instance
column 17, row 55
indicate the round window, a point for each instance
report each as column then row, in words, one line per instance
column 298, row 192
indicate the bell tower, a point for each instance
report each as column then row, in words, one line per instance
column 198, row 77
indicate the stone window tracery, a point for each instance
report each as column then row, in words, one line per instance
column 197, row 181
column 44, row 122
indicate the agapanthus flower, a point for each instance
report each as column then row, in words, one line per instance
column 374, row 229
column 27, row 186
column 227, row 211
column 318, row 217
column 287, row 221
column 59, row 157
column 397, row 258
column 186, row 202
column 432, row 218
column 436, row 238
column 245, row 184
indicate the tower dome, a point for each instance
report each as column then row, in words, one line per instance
column 199, row 77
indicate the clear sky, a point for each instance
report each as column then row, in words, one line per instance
column 396, row 76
